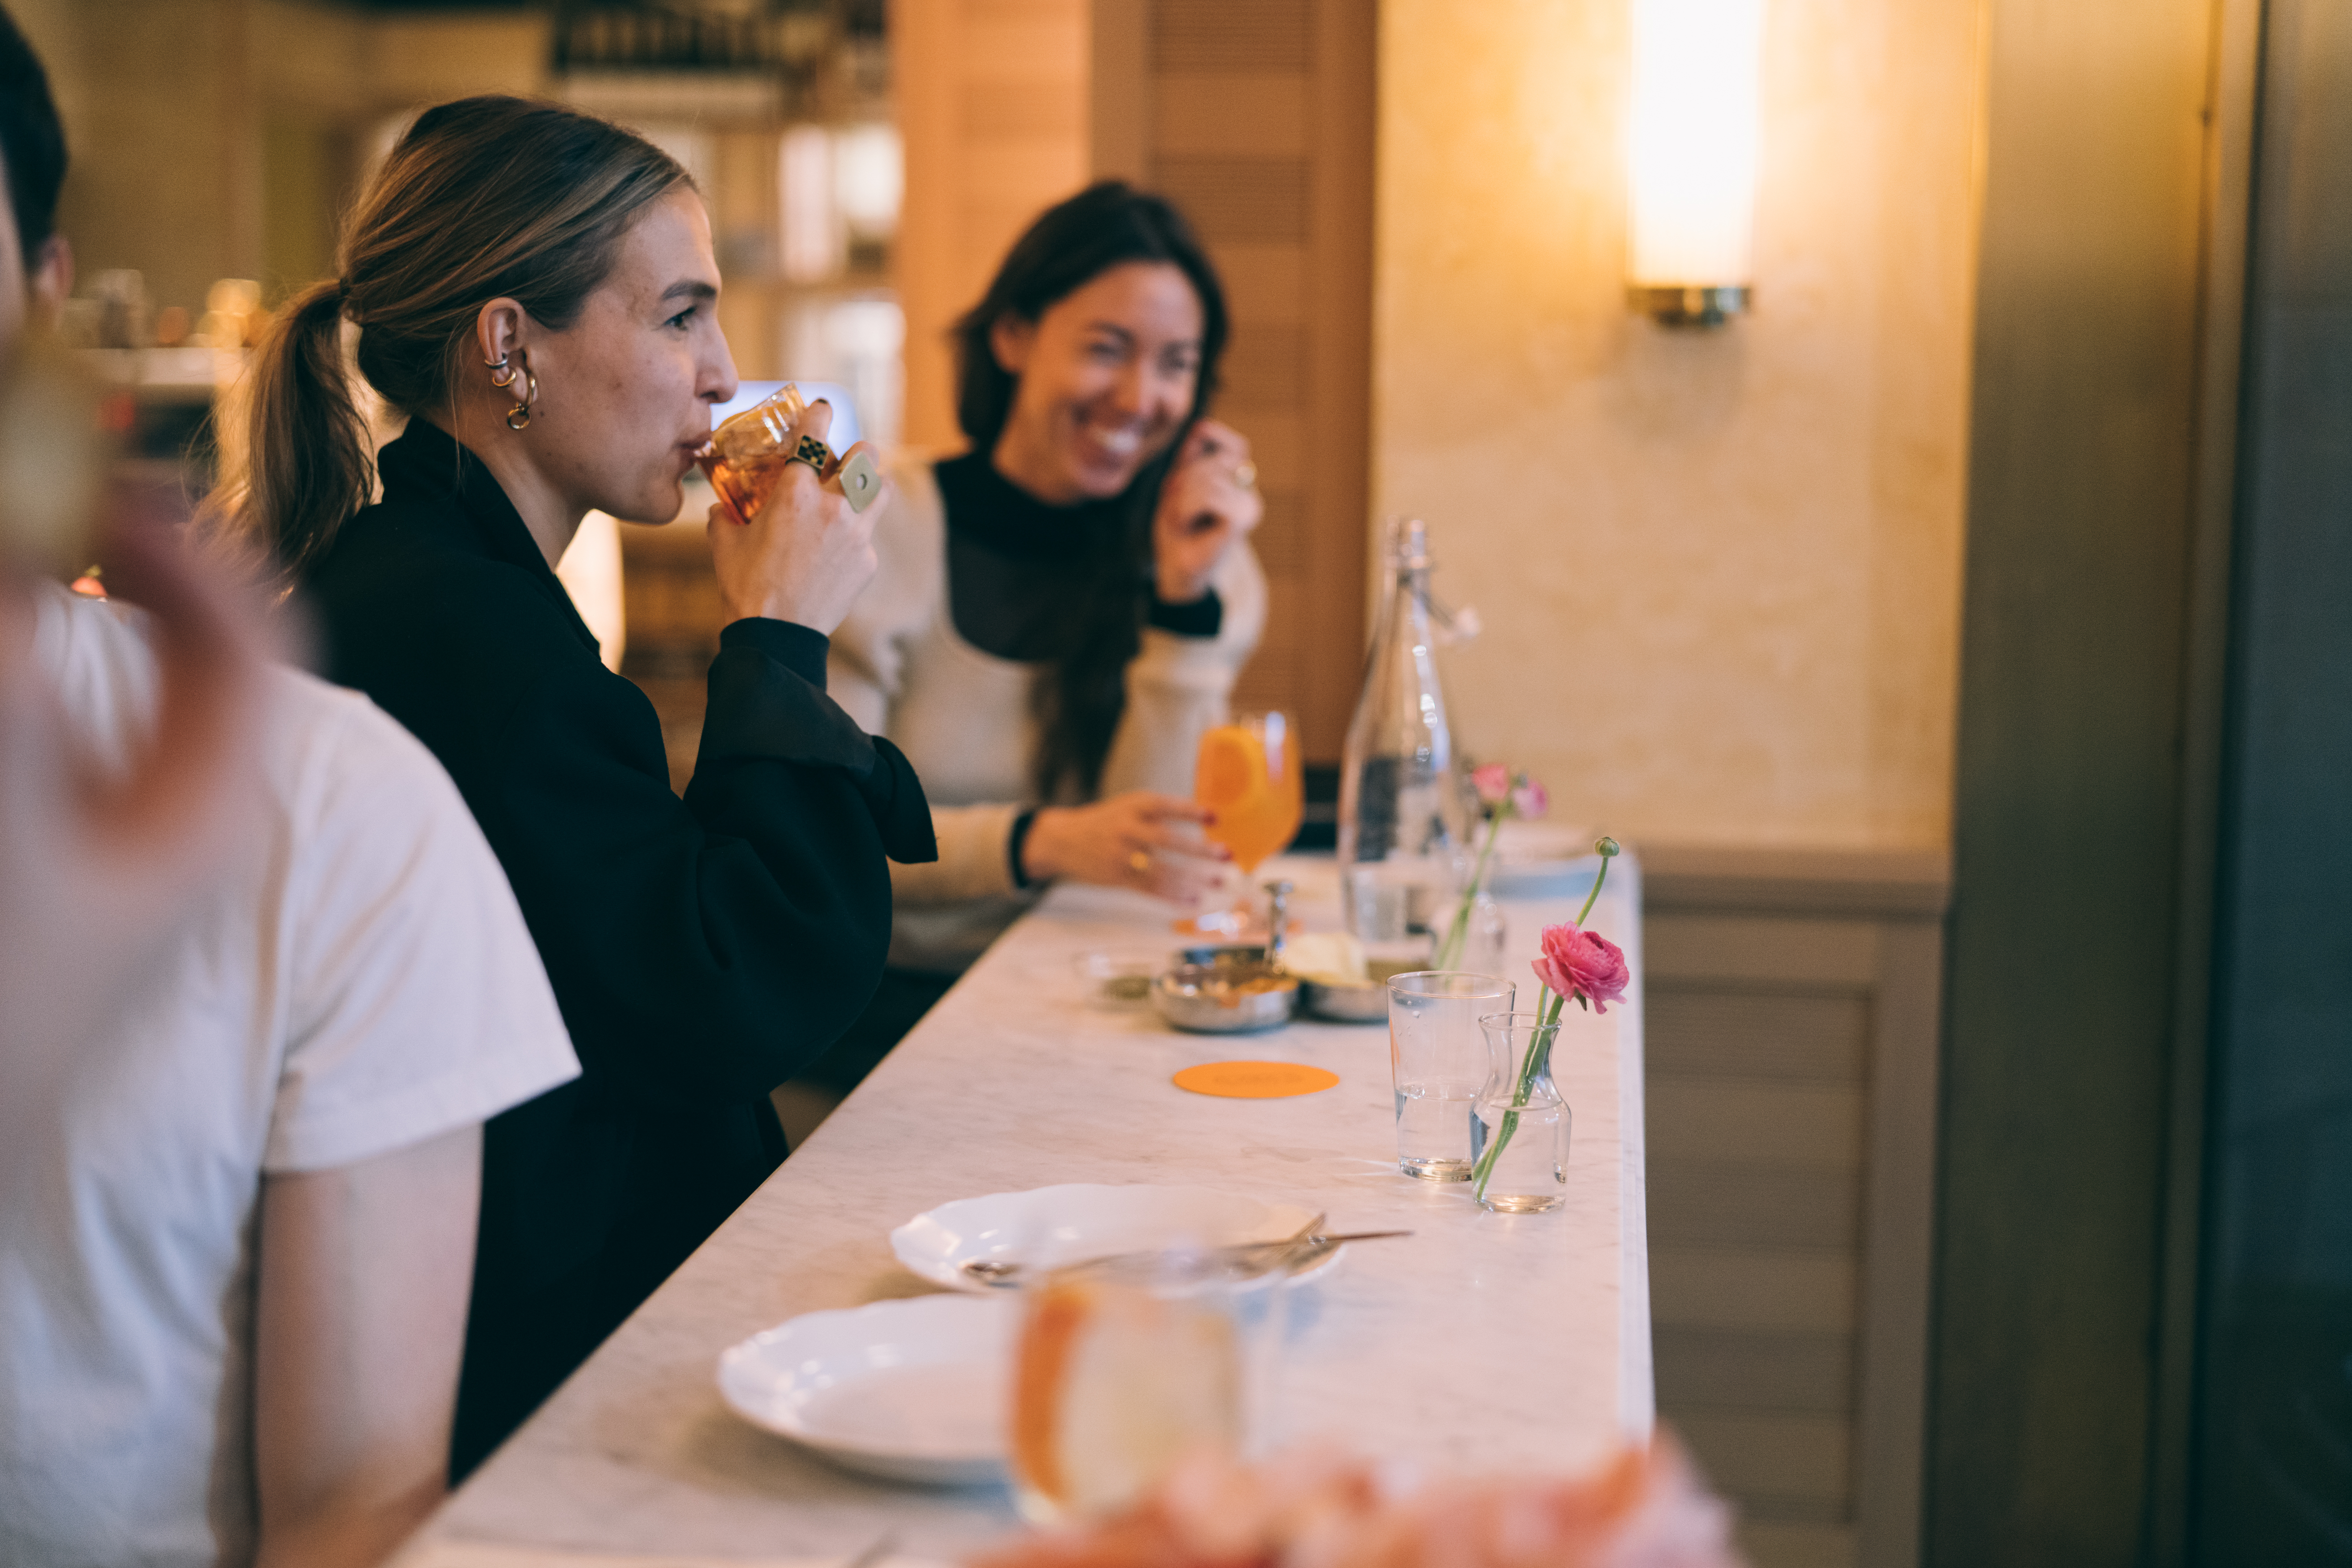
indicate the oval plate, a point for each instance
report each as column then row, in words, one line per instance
column 910, row 1390
column 1046, row 1227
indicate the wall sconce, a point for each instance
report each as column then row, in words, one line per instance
column 1693, row 140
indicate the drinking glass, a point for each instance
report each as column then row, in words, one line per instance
column 1250, row 774
column 1437, row 1059
column 1122, row 1370
column 748, row 451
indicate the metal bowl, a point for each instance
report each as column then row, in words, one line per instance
column 1366, row 1003
column 1223, row 954
column 1236, row 998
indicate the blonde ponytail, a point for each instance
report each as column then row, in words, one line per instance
column 299, row 457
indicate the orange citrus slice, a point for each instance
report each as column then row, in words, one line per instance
column 1231, row 768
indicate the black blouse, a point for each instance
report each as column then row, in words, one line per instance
column 702, row 950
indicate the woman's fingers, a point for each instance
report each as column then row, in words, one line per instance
column 1154, row 807
column 817, row 421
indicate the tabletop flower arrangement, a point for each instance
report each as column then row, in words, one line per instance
column 1502, row 793
column 1573, row 962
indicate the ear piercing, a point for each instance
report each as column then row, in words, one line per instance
column 529, row 396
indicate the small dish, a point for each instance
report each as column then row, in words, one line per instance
column 1236, row 992
column 1047, row 1227
column 1355, row 1002
column 910, row 1390
column 1116, row 980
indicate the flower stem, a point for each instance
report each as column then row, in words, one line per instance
column 1532, row 1066
column 1457, row 935
column 1608, row 848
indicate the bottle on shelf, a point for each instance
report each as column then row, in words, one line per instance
column 1403, row 822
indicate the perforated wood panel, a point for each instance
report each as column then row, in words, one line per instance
column 1791, row 1034
column 1256, row 117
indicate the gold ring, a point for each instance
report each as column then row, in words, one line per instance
column 1141, row 862
column 812, row 452
column 1245, row 473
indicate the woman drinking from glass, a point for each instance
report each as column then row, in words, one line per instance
column 1062, row 610
column 535, row 290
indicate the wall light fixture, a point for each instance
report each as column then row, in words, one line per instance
column 1693, row 142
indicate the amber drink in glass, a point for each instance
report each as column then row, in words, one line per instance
column 748, row 451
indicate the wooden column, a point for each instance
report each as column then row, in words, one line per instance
column 993, row 103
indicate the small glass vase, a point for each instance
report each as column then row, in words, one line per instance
column 1520, row 1158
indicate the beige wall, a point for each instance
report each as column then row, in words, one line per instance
column 1720, row 572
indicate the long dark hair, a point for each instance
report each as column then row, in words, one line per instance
column 1105, row 226
column 483, row 197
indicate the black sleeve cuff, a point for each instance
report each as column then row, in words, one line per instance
column 799, row 649
column 762, row 709
column 1015, row 841
column 1203, row 618
column 895, row 796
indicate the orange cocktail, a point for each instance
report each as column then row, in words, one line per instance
column 1250, row 773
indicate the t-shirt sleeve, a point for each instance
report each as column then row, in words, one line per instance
column 417, row 1004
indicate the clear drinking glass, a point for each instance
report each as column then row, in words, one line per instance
column 1122, row 1370
column 1520, row 1134
column 1437, row 1062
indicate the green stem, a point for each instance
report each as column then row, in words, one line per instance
column 1457, row 935
column 1530, row 1068
column 1593, row 896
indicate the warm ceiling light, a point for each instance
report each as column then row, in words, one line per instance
column 1693, row 166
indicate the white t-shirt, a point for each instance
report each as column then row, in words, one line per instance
column 361, row 982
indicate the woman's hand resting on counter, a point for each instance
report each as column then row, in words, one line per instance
column 1140, row 839
column 1204, row 507
column 806, row 556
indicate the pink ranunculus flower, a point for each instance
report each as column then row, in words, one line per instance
column 1493, row 782
column 1584, row 963
column 1530, row 799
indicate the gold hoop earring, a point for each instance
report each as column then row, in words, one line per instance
column 502, row 374
column 531, row 396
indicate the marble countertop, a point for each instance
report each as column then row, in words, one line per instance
column 1483, row 1341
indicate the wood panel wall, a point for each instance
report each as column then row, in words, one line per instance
column 1792, row 1012
column 993, row 104
column 1256, row 117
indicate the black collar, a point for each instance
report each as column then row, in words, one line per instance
column 427, row 473
column 993, row 513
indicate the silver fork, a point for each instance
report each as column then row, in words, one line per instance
column 1301, row 1245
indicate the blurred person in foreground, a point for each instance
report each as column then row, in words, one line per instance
column 240, row 1186
column 1063, row 609
column 534, row 290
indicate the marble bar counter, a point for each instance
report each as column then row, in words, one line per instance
column 1482, row 1341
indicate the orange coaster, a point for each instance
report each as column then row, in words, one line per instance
column 1254, row 1080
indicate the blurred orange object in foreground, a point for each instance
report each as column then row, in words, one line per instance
column 1320, row 1508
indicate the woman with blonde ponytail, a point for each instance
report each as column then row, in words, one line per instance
column 533, row 291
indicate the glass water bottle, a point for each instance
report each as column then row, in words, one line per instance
column 1402, row 821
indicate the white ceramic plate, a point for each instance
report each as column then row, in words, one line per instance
column 909, row 1391
column 1049, row 1226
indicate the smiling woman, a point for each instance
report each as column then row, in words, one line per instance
column 534, row 288
column 1062, row 610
